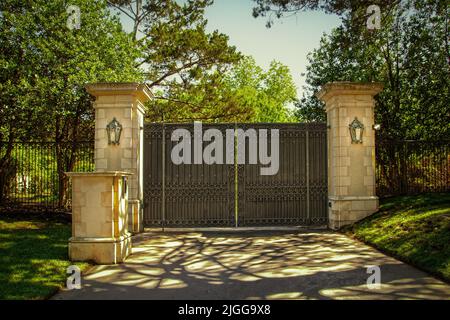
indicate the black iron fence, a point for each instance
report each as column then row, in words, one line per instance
column 32, row 173
column 411, row 167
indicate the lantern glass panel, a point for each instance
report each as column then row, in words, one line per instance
column 113, row 129
column 356, row 131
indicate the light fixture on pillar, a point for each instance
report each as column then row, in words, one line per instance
column 114, row 129
column 356, row 130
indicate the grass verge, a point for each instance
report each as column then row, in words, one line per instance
column 33, row 256
column 414, row 229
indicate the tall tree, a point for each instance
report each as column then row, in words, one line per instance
column 245, row 93
column 179, row 55
column 271, row 9
column 44, row 67
column 267, row 93
column 409, row 54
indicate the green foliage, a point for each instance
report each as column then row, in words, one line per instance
column 45, row 66
column 266, row 94
column 279, row 8
column 182, row 61
column 246, row 93
column 182, row 52
column 190, row 69
column 415, row 229
column 409, row 55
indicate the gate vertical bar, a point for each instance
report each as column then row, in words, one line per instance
column 307, row 177
column 236, row 178
column 163, row 182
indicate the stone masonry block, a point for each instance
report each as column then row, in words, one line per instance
column 127, row 164
column 369, row 180
column 358, row 205
column 100, row 133
column 344, row 181
column 343, row 191
column 342, row 152
column 106, row 199
column 371, row 205
column 345, row 161
column 127, row 113
column 79, row 199
column 100, row 113
column 99, row 153
column 128, row 133
column 101, row 164
column 343, row 171
column 126, row 153
column 344, row 131
column 101, row 143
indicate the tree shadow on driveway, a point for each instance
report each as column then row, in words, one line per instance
column 254, row 265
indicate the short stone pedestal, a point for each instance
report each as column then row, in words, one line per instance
column 100, row 217
column 351, row 166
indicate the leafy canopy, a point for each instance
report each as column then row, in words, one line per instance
column 45, row 66
column 409, row 55
column 245, row 93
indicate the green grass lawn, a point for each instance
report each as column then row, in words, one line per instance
column 414, row 229
column 33, row 256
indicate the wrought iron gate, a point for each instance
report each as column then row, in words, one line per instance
column 195, row 194
column 297, row 194
column 232, row 194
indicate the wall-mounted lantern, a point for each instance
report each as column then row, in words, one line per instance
column 356, row 131
column 114, row 129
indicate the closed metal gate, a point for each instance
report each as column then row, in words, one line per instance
column 194, row 194
column 297, row 194
column 237, row 194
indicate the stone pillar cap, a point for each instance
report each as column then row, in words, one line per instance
column 99, row 174
column 332, row 89
column 140, row 90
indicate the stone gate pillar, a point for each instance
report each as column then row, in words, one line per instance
column 351, row 164
column 125, row 103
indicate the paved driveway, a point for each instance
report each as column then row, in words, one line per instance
column 254, row 265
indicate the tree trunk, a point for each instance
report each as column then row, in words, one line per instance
column 65, row 162
column 6, row 170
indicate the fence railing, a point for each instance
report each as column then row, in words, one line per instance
column 32, row 174
column 411, row 167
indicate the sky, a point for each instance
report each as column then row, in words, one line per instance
column 288, row 41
